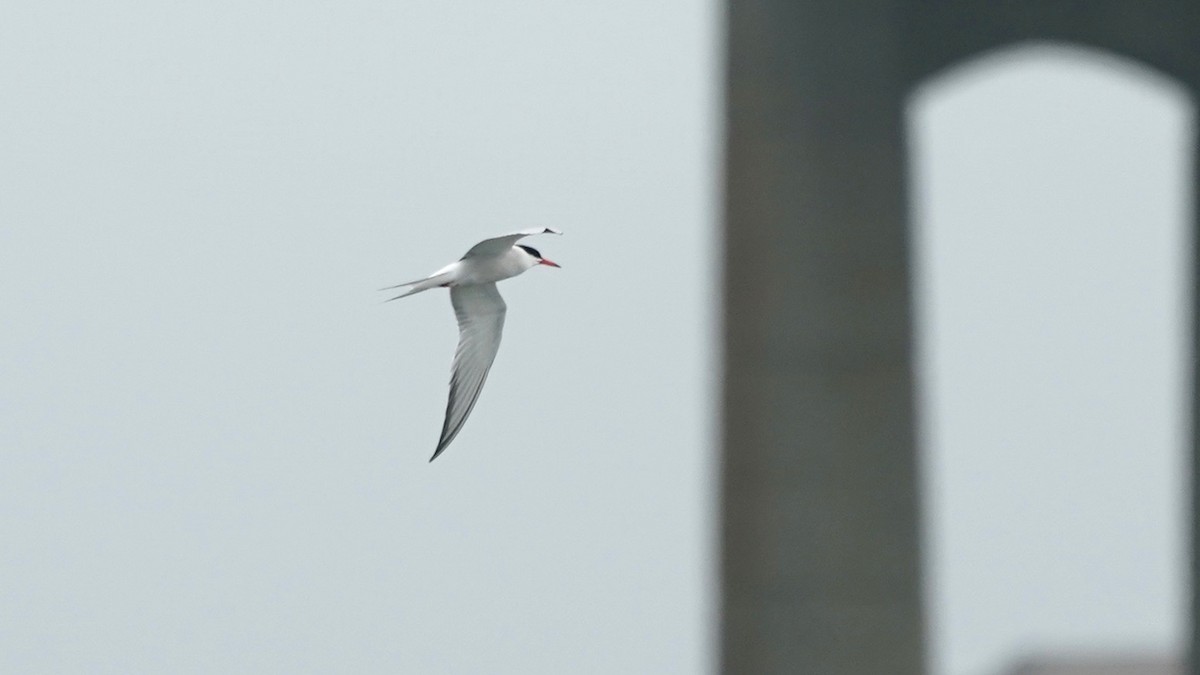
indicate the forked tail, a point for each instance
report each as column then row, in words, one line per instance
column 418, row 285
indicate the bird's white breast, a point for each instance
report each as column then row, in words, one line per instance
column 490, row 269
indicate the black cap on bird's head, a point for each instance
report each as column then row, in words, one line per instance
column 540, row 260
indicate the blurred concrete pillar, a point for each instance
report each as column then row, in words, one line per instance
column 821, row 570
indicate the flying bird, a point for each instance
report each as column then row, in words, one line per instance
column 480, row 311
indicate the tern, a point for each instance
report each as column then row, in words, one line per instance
column 480, row 312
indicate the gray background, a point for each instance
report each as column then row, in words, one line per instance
column 214, row 435
column 1052, row 206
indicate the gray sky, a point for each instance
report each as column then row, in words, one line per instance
column 1051, row 249
column 215, row 436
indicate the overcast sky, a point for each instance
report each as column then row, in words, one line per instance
column 215, row 436
column 1052, row 200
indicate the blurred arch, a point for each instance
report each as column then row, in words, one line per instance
column 820, row 554
column 960, row 209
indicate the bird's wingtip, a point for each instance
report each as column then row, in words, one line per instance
column 551, row 230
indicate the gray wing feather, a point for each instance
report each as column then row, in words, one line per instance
column 480, row 311
column 498, row 245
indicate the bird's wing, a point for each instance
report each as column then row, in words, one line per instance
column 498, row 245
column 480, row 312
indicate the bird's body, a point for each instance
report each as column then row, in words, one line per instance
column 480, row 312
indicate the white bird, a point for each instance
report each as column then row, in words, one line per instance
column 480, row 312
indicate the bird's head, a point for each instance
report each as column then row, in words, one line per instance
column 537, row 257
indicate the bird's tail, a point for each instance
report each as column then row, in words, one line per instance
column 418, row 285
